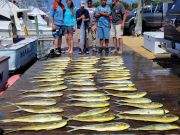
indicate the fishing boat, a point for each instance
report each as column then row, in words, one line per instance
column 20, row 53
column 23, row 24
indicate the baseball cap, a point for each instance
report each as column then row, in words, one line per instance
column 83, row 3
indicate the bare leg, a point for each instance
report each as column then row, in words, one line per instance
column 56, row 43
column 101, row 41
column 120, row 44
column 107, row 42
column 115, row 42
column 59, row 43
column 71, row 42
column 67, row 40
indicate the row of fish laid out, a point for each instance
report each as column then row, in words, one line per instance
column 82, row 78
column 112, row 126
column 50, row 84
column 100, row 115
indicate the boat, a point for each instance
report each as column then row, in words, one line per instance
column 20, row 53
column 4, row 72
column 24, row 25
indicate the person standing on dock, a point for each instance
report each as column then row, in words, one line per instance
column 56, row 18
column 93, row 25
column 82, row 16
column 118, row 20
column 103, row 13
column 70, row 24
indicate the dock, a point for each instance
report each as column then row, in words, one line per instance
column 161, row 85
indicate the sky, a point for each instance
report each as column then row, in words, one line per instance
column 76, row 2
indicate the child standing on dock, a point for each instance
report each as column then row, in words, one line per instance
column 56, row 18
column 70, row 24
column 103, row 14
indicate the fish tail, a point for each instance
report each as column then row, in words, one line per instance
column 17, row 110
column 7, row 131
column 70, row 99
column 132, row 129
column 23, row 91
column 21, row 97
column 120, row 116
column 74, row 128
column 120, row 112
column 5, row 121
column 10, row 104
column 107, row 93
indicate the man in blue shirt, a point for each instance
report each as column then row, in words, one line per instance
column 82, row 14
column 56, row 19
column 102, row 13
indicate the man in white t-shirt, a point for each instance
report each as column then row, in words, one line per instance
column 92, row 25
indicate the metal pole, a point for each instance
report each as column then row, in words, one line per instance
column 37, row 26
column 14, row 29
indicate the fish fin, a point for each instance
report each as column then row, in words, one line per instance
column 5, row 121
column 74, row 128
column 7, row 131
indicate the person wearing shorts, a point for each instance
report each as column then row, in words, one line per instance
column 70, row 24
column 103, row 15
column 118, row 20
column 57, row 22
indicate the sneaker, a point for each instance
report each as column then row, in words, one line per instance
column 80, row 51
column 52, row 51
column 114, row 51
column 107, row 50
column 59, row 50
column 119, row 52
column 100, row 49
column 87, row 51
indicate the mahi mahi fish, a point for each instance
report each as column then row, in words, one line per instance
column 44, row 95
column 128, row 95
column 35, row 118
column 96, row 98
column 117, row 88
column 39, row 110
column 167, row 118
column 49, row 80
column 116, row 79
column 103, row 117
column 92, row 104
column 38, row 102
column 46, row 89
column 82, row 89
column 135, row 100
column 157, row 111
column 158, row 127
column 113, row 126
column 40, row 126
column 88, row 94
column 93, row 112
column 143, row 105
column 83, row 83
column 51, row 84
